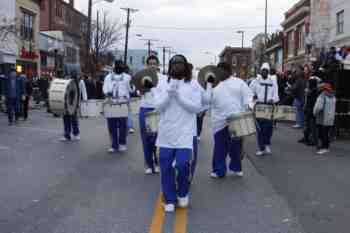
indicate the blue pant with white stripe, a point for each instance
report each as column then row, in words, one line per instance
column 148, row 140
column 225, row 145
column 264, row 133
column 175, row 173
column 118, row 131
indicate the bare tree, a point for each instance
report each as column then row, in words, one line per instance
column 106, row 35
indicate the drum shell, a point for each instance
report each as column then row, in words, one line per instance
column 241, row 125
column 91, row 108
column 152, row 122
column 58, row 97
column 264, row 111
column 111, row 110
column 286, row 113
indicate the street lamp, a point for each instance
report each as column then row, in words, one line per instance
column 241, row 32
column 210, row 53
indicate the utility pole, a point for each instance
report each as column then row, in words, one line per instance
column 165, row 48
column 242, row 32
column 88, row 36
column 149, row 44
column 265, row 21
column 128, row 11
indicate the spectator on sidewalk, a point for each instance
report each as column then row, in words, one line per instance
column 298, row 92
column 13, row 90
column 310, row 131
column 28, row 89
column 324, row 111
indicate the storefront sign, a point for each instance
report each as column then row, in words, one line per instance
column 28, row 54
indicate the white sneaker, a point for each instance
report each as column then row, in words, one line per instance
column 169, row 208
column 214, row 175
column 157, row 169
column 322, row 151
column 183, row 201
column 268, row 150
column 111, row 150
column 131, row 131
column 259, row 153
column 148, row 171
column 63, row 139
column 76, row 138
column 198, row 138
column 296, row 126
column 122, row 148
column 239, row 174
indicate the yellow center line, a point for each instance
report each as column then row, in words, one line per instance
column 158, row 217
column 181, row 220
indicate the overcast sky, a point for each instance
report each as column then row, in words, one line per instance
column 193, row 27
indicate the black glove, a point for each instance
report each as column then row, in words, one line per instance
column 211, row 79
column 148, row 84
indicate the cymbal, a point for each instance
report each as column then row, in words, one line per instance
column 208, row 71
column 139, row 78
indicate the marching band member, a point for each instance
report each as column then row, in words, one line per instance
column 265, row 91
column 71, row 122
column 231, row 96
column 178, row 102
column 147, row 105
column 117, row 87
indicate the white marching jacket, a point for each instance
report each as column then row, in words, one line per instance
column 231, row 96
column 118, row 85
column 178, row 102
column 265, row 90
column 147, row 99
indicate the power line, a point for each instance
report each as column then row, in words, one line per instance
column 202, row 28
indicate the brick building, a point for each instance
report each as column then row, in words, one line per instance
column 296, row 27
column 61, row 16
column 240, row 58
column 274, row 50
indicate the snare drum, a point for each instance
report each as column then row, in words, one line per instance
column 242, row 124
column 264, row 111
column 286, row 113
column 152, row 121
column 115, row 110
column 91, row 108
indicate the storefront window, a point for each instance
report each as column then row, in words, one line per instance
column 27, row 26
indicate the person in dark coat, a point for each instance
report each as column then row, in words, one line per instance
column 13, row 90
column 310, row 131
column 28, row 88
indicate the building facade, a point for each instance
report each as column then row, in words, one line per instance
column 274, row 51
column 61, row 17
column 296, row 28
column 258, row 56
column 339, row 14
column 51, row 53
column 239, row 58
column 28, row 21
column 8, row 34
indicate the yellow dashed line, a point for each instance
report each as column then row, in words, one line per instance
column 158, row 217
column 181, row 221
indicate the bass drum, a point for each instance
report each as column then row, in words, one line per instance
column 63, row 97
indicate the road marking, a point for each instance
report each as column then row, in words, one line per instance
column 158, row 217
column 181, row 220
column 4, row 147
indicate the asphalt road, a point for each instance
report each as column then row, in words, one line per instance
column 54, row 187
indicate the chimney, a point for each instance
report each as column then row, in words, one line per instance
column 71, row 3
